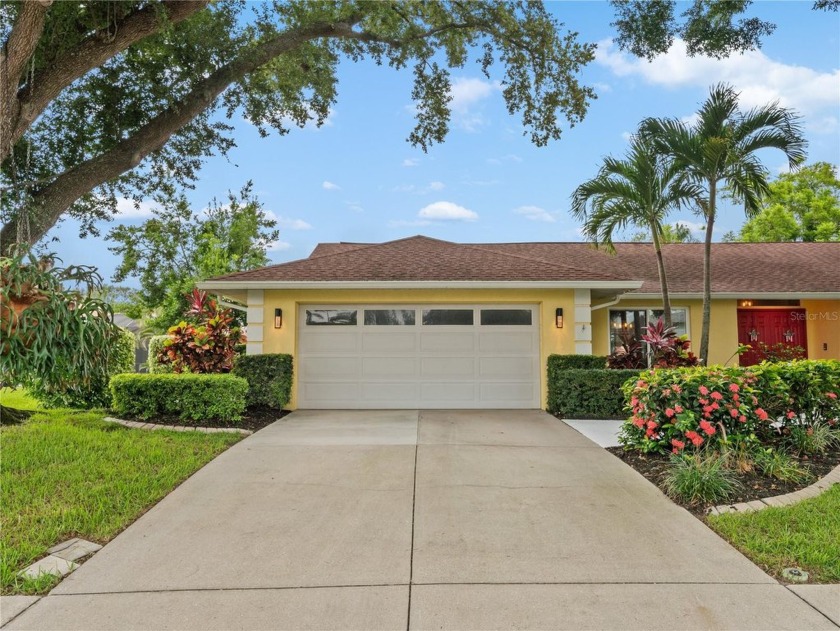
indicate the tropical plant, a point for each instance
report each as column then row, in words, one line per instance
column 52, row 332
column 667, row 349
column 207, row 345
column 720, row 149
column 629, row 353
column 780, row 352
column 640, row 191
column 816, row 438
column 776, row 464
column 700, row 478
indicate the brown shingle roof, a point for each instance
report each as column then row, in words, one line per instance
column 743, row 268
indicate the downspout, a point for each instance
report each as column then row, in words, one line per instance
column 230, row 305
column 608, row 304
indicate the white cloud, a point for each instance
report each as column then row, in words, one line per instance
column 467, row 94
column 626, row 136
column 329, row 186
column 410, row 162
column 419, row 190
column 511, row 157
column 126, row 209
column 278, row 246
column 287, row 223
column 535, row 213
column 436, row 186
column 758, row 78
column 355, row 206
column 447, row 211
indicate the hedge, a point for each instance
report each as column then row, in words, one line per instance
column 94, row 394
column 568, row 362
column 269, row 378
column 188, row 397
column 588, row 393
column 155, row 346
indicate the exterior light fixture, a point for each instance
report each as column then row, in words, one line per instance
column 278, row 318
column 558, row 317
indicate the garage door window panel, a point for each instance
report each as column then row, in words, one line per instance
column 448, row 317
column 506, row 317
column 389, row 317
column 331, row 317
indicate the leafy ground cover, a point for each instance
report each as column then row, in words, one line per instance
column 68, row 473
column 805, row 535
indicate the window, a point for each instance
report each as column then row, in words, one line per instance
column 636, row 320
column 506, row 317
column 330, row 317
column 389, row 317
column 440, row 317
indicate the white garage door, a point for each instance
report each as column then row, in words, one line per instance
column 418, row 356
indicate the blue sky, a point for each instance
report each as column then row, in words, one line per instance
column 357, row 179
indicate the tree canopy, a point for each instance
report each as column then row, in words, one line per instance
column 101, row 99
column 799, row 206
column 178, row 247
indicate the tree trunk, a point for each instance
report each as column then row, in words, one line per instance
column 707, row 275
column 663, row 278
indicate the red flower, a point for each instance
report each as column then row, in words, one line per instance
column 736, row 397
column 715, row 406
column 678, row 408
column 694, row 437
column 761, row 414
column 733, row 387
column 652, row 425
column 831, row 395
column 791, row 414
column 677, row 444
column 717, row 396
column 707, row 427
column 704, row 390
column 676, row 388
column 669, row 412
column 640, row 384
column 742, row 419
column 733, row 412
column 703, row 401
column 638, row 422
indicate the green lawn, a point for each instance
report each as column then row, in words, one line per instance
column 67, row 473
column 805, row 535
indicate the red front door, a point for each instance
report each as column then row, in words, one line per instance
column 770, row 327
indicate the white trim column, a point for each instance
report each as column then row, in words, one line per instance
column 583, row 322
column 256, row 315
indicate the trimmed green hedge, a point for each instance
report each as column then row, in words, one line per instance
column 188, row 397
column 588, row 393
column 152, row 363
column 569, row 362
column 96, row 393
column 269, row 378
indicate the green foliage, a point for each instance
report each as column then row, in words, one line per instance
column 700, row 478
column 70, row 474
column 815, row 438
column 801, row 392
column 186, row 397
column 54, row 335
column 153, row 364
column 587, row 393
column 179, row 247
column 800, row 206
column 269, row 378
column 206, row 346
column 565, row 362
column 669, row 233
column 95, row 394
column 776, row 464
column 122, row 299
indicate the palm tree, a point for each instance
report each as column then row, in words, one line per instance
column 719, row 149
column 639, row 190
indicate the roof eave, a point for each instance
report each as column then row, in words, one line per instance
column 220, row 285
column 745, row 295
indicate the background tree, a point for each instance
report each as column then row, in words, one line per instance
column 671, row 233
column 101, row 99
column 53, row 334
column 178, row 247
column 799, row 206
column 719, row 149
column 639, row 190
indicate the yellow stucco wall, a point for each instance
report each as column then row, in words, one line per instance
column 552, row 339
column 823, row 328
column 723, row 340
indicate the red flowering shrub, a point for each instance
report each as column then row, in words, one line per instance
column 675, row 409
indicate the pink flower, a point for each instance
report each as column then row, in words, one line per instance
column 666, row 392
column 715, row 406
column 708, row 409
column 733, row 412
column 717, row 396
column 703, row 401
column 669, row 412
column 742, row 419
column 704, row 390
column 694, row 437
column 761, row 414
column 831, row 395
column 736, row 397
column 733, row 387
column 676, row 388
column 640, row 384
column 707, row 427
column 637, row 421
column 678, row 445
column 791, row 414
column 678, row 408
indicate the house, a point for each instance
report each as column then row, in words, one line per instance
column 424, row 323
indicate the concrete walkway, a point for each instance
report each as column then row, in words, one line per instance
column 395, row 520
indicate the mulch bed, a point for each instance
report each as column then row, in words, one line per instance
column 753, row 485
column 254, row 419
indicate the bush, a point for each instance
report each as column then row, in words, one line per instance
column 269, row 378
column 801, row 392
column 154, row 365
column 187, row 397
column 95, row 394
column 775, row 464
column 588, row 393
column 569, row 362
column 700, row 478
column 816, row 438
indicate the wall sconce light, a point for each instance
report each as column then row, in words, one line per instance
column 278, row 318
column 558, row 318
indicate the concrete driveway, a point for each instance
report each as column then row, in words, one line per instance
column 421, row 520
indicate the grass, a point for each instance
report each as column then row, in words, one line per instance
column 805, row 535
column 68, row 473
